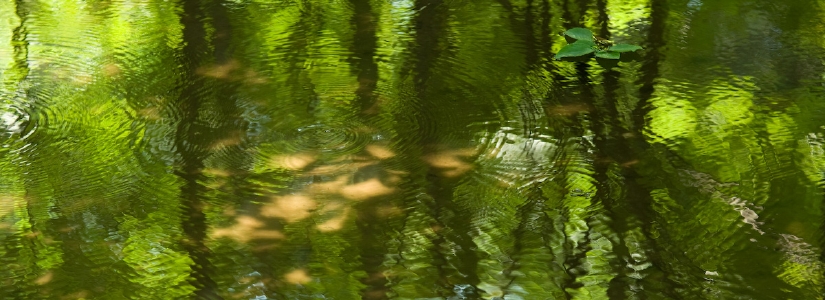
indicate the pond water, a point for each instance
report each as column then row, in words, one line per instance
column 410, row 149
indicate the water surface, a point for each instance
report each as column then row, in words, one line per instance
column 419, row 149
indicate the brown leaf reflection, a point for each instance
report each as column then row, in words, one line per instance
column 231, row 70
column 44, row 279
column 340, row 182
column 150, row 113
column 334, row 224
column 110, row 69
column 451, row 163
column 379, row 152
column 293, row 162
column 76, row 295
column 298, row 276
column 291, row 208
column 6, row 205
column 366, row 189
column 569, row 109
column 247, row 228
column 221, row 71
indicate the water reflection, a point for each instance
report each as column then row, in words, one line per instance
column 418, row 149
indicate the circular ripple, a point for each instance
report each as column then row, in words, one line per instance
column 338, row 139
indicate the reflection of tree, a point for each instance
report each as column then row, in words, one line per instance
column 482, row 168
column 194, row 136
column 19, row 69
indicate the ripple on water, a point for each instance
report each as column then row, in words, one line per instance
column 514, row 160
column 332, row 139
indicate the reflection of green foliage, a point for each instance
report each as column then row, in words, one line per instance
column 586, row 43
column 159, row 270
column 103, row 146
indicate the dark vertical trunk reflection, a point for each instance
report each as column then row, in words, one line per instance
column 20, row 67
column 638, row 194
column 13, row 76
column 456, row 266
column 191, row 142
column 608, row 139
column 363, row 54
column 362, row 61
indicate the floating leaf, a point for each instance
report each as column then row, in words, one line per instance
column 608, row 54
column 582, row 34
column 624, row 48
column 578, row 48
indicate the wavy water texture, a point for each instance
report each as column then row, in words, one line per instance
column 417, row 149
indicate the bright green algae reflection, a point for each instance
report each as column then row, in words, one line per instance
column 417, row 149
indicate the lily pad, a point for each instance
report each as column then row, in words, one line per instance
column 578, row 48
column 624, row 48
column 582, row 34
column 608, row 54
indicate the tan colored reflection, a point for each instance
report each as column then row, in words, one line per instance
column 247, row 228
column 6, row 205
column 110, row 70
column 568, row 110
column 76, row 295
column 252, row 77
column 357, row 191
column 379, row 152
column 323, row 199
column 331, row 187
column 82, row 79
column 334, row 224
column 221, row 71
column 366, row 189
column 229, row 211
column 337, row 167
column 290, row 208
column 231, row 70
column 451, row 163
column 388, row 211
column 235, row 138
column 44, row 279
column 293, row 162
column 150, row 113
column 630, row 163
column 216, row 172
column 297, row 276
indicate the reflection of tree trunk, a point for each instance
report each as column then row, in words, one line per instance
column 296, row 54
column 545, row 28
column 13, row 76
column 20, row 68
column 191, row 141
column 372, row 248
column 363, row 53
column 16, row 244
column 610, row 146
column 642, row 203
column 431, row 28
column 525, row 240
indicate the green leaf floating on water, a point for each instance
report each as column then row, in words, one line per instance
column 586, row 43
column 624, row 48
column 581, row 34
column 608, row 54
column 579, row 48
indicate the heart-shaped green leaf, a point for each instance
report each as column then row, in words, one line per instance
column 624, row 48
column 608, row 54
column 578, row 48
column 579, row 33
